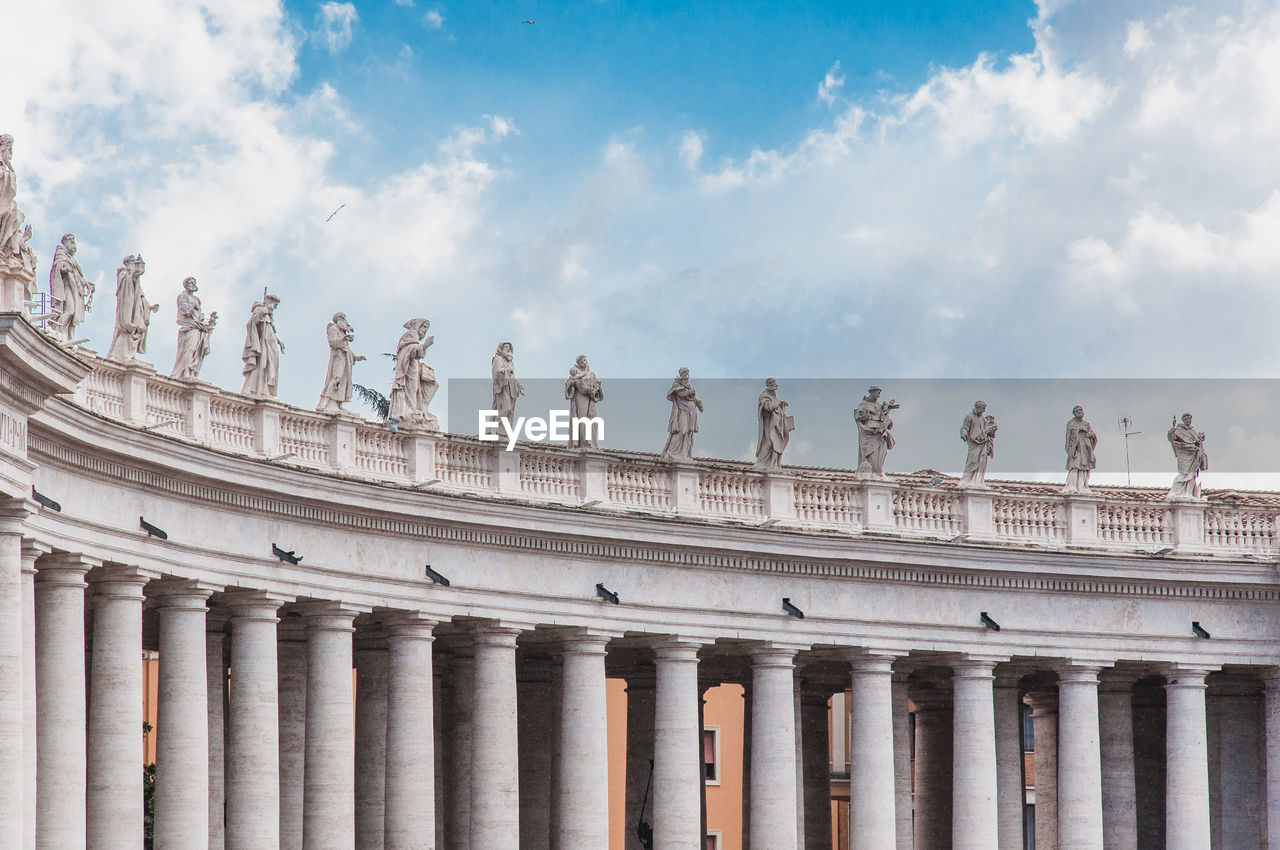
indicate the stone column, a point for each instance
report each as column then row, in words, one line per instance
column 933, row 768
column 1119, row 786
column 1009, row 782
column 773, row 749
column 536, row 697
column 1238, row 744
column 410, row 742
column 584, row 744
column 797, row 688
column 182, row 722
column 371, row 739
column 975, row 814
column 640, row 756
column 904, row 816
column 11, row 676
column 1271, row 722
column 677, row 746
column 1187, row 760
column 495, row 778
column 329, row 794
column 291, row 683
column 31, row 550
column 60, row 701
column 1079, row 759
column 216, row 692
column 746, row 764
column 873, row 812
column 438, row 774
column 1044, row 719
column 815, row 733
column 461, row 700
column 114, row 814
column 253, row 728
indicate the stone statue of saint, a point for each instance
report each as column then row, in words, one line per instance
column 194, row 331
column 774, row 427
column 1188, row 448
column 414, row 384
column 875, row 432
column 71, row 293
column 11, row 218
column 979, row 433
column 27, row 262
column 506, row 389
column 685, row 407
column 337, row 380
column 1080, row 457
column 133, row 312
column 582, row 388
column 262, row 348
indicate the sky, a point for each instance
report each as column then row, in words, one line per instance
column 909, row 189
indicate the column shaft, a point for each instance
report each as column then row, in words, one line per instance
column 12, row 678
column 1079, row 760
column 1187, row 759
column 182, row 724
column 30, row 551
column 817, row 770
column 873, row 815
column 253, row 729
column 975, row 815
column 329, row 798
column 584, row 746
column 640, row 755
column 677, row 746
column 371, row 746
column 216, row 692
column 537, row 702
column 495, row 778
column 1271, row 722
column 114, row 815
column 902, row 764
column 773, row 751
column 458, row 790
column 1119, row 786
column 410, row 745
column 1044, row 720
column 933, row 769
column 1009, row 781
column 291, row 682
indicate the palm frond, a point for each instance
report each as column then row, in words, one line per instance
column 378, row 403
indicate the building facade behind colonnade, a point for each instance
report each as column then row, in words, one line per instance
column 263, row 552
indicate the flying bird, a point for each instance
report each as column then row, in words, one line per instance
column 332, row 214
column 526, row 22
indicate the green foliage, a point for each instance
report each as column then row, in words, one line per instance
column 148, row 805
column 380, row 404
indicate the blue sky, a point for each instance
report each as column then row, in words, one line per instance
column 1065, row 188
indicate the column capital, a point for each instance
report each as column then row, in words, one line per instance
column 641, row 678
column 1186, row 675
column 495, row 635
column 976, row 666
column 14, row 514
column 409, row 625
column 1118, row 679
column 1270, row 677
column 329, row 616
column 676, row 648
column 32, row 550
column 181, row 593
column 587, row 642
column 872, row 661
column 1042, row 701
column 772, row 654
column 123, row 581
column 254, row 604
column 931, row 699
column 64, row 568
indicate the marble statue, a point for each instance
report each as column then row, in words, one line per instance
column 194, row 331
column 133, row 312
column 979, row 433
column 414, row 384
column 582, row 388
column 506, row 389
column 11, row 218
column 337, row 380
column 262, row 348
column 774, row 427
column 685, row 407
column 875, row 432
column 69, row 290
column 1188, row 448
column 1081, row 460
column 27, row 262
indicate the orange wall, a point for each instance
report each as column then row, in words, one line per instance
column 723, row 708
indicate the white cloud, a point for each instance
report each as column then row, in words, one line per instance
column 408, row 3
column 690, row 149
column 335, row 22
column 433, row 19
column 829, row 87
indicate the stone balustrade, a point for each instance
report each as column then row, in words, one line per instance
column 916, row 506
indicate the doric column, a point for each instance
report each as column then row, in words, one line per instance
column 291, row 684
column 677, row 746
column 182, row 723
column 584, row 744
column 1079, row 759
column 1044, row 721
column 31, row 550
column 975, row 814
column 371, row 737
column 461, row 701
column 817, row 768
column 11, row 673
column 440, row 777
column 640, row 757
column 410, row 742
column 1119, row 786
column 216, row 692
column 1009, row 783
column 253, row 728
column 1271, row 713
column 1187, row 760
column 329, row 794
column 114, row 815
column 1236, row 750
column 873, row 812
column 536, row 698
column 773, row 749
column 495, row 777
column 933, row 768
column 902, row 763
column 797, row 688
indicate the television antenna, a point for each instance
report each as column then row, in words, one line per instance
column 1124, row 423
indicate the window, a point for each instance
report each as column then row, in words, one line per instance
column 1028, row 730
column 713, row 839
column 711, row 755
